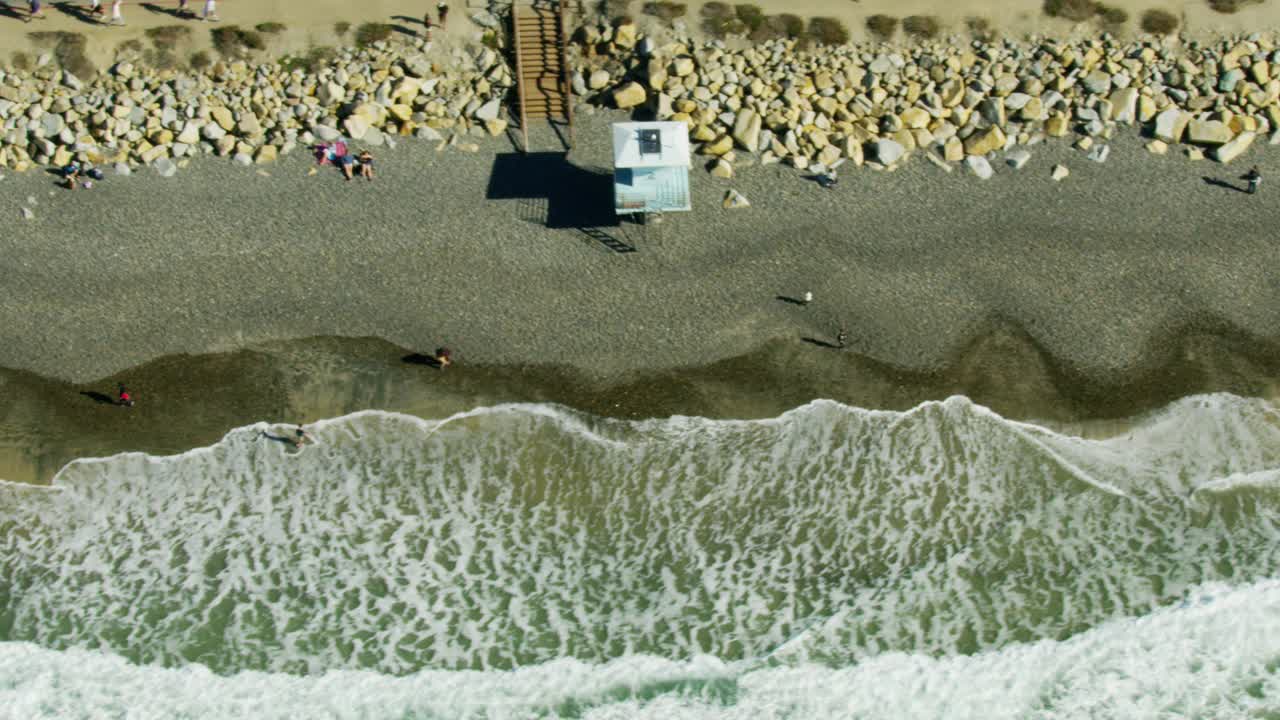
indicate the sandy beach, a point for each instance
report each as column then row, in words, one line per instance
column 230, row 294
column 1127, row 285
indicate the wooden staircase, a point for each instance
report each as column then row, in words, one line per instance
column 539, row 39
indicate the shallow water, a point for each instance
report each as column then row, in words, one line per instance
column 532, row 561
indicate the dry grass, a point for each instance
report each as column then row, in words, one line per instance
column 200, row 60
column 828, row 31
column 233, row 42
column 1230, row 6
column 68, row 50
column 883, row 27
column 1074, row 10
column 980, row 28
column 167, row 37
column 923, row 27
column 313, row 61
column 270, row 28
column 341, row 28
column 370, row 33
column 20, row 61
column 1159, row 22
column 666, row 11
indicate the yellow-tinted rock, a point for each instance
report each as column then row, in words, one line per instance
column 985, row 141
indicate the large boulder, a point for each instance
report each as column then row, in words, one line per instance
column 746, row 129
column 1124, row 105
column 356, row 126
column 1208, row 132
column 979, row 166
column 888, row 152
column 1232, row 149
column 1170, row 124
column 223, row 117
column 985, row 141
column 629, row 95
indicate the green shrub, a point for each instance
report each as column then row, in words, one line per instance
column 980, row 28
column 667, row 11
column 1114, row 16
column 200, row 60
column 167, row 37
column 160, row 59
column 232, row 41
column 716, row 9
column 20, row 61
column 749, row 15
column 490, row 40
column 130, row 47
column 270, row 28
column 1074, row 10
column 1159, row 22
column 882, row 26
column 68, row 50
column 828, row 31
column 341, row 28
column 777, row 27
column 923, row 27
column 370, row 33
column 1230, row 6
column 312, row 62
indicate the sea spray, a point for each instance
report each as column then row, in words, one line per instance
column 482, row 549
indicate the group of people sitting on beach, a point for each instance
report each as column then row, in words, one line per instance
column 350, row 163
column 75, row 175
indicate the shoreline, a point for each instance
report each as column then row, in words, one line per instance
column 185, row 402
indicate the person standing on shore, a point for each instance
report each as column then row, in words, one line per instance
column 808, row 298
column 301, row 437
column 210, row 11
column 124, row 399
column 842, row 337
column 95, row 8
column 36, row 10
column 1255, row 179
column 117, row 16
column 444, row 356
column 442, row 7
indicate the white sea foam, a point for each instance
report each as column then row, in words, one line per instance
column 522, row 535
column 1214, row 655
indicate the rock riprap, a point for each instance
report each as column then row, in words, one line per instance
column 133, row 115
column 956, row 99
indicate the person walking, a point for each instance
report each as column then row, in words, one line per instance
column 442, row 8
column 1255, row 179
column 808, row 298
column 444, row 357
column 95, row 8
column 124, row 399
column 210, row 11
column 117, row 16
column 36, row 10
column 842, row 337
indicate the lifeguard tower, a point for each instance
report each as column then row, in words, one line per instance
column 650, row 167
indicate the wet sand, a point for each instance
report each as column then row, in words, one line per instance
column 186, row 402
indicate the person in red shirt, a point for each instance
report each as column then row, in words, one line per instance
column 125, row 400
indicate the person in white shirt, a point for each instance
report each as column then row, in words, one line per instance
column 210, row 11
column 117, row 17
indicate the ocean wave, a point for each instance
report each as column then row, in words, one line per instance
column 1213, row 655
column 518, row 535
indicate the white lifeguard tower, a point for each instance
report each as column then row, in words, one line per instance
column 650, row 167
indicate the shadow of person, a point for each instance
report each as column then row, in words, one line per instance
column 77, row 11
column 99, row 398
column 285, row 440
column 171, row 12
column 821, row 343
column 1222, row 183
column 793, row 301
column 420, row 359
column 406, row 18
column 8, row 11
